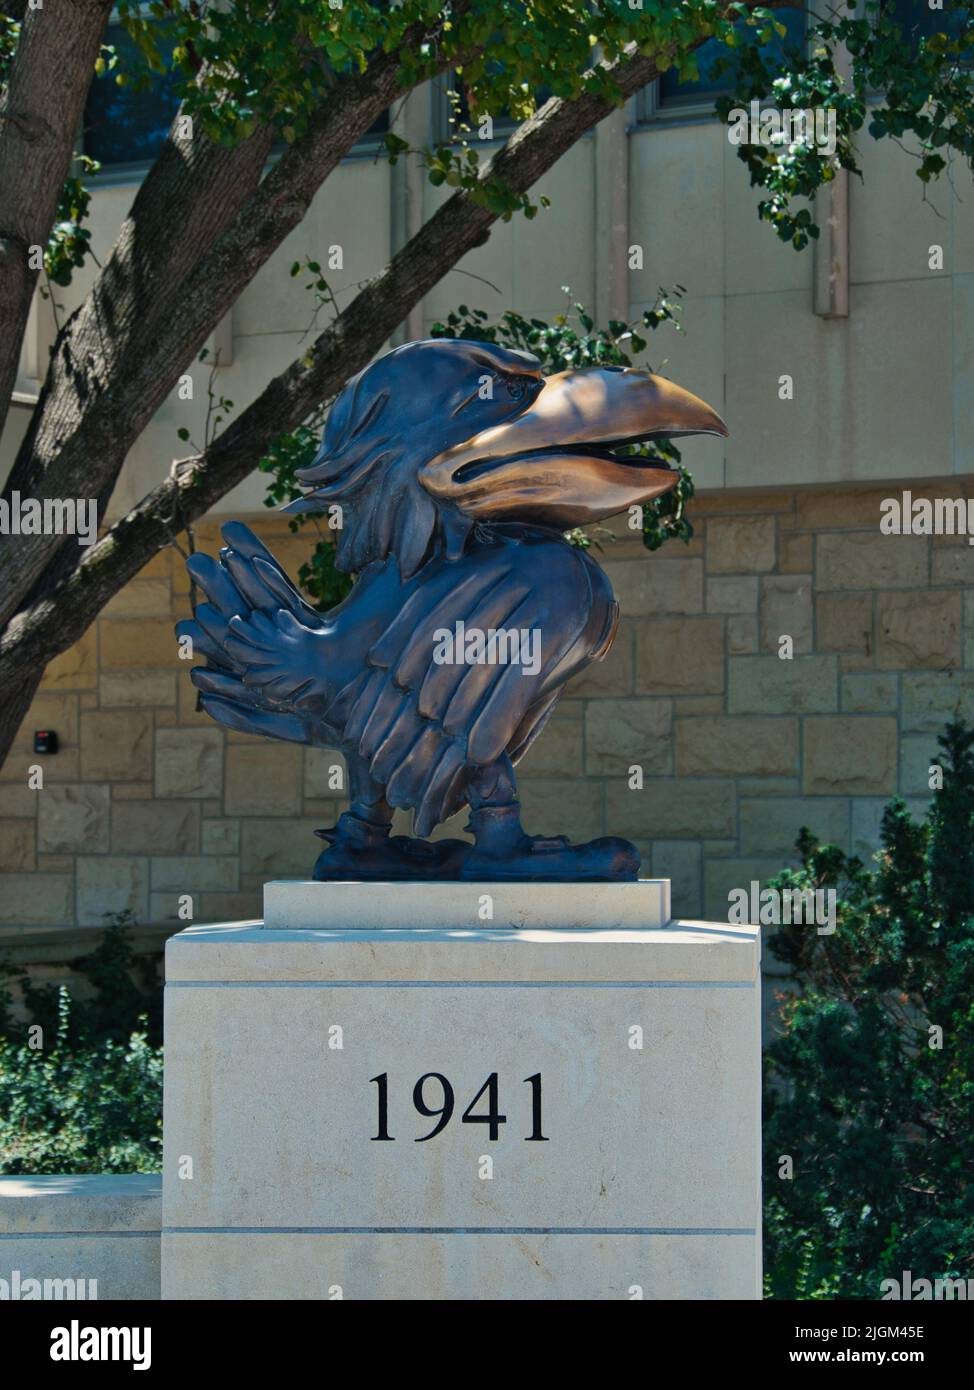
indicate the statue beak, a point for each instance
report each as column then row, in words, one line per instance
column 556, row 464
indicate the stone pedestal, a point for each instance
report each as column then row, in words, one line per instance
column 475, row 1111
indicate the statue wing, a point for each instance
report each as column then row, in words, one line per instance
column 425, row 726
column 253, row 619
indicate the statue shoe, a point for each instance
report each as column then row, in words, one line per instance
column 608, row 860
column 505, row 854
column 360, row 851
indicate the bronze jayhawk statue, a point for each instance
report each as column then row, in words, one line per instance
column 455, row 468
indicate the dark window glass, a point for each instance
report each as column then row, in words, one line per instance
column 709, row 83
column 375, row 132
column 503, row 122
column 462, row 115
column 918, row 21
column 126, row 125
column 129, row 125
column 378, row 127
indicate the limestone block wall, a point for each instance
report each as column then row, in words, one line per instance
column 148, row 801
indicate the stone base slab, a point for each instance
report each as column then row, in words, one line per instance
column 470, row 1265
column 291, row 905
column 80, row 1236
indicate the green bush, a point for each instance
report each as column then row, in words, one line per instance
column 870, row 1087
column 81, row 1079
column 79, row 1106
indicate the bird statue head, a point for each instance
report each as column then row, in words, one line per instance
column 444, row 432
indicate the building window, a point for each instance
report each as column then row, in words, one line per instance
column 376, row 130
column 127, row 125
column 125, row 128
column 669, row 96
column 918, row 21
column 457, row 113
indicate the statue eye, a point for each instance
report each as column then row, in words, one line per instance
column 516, row 387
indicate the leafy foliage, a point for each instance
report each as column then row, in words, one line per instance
column 80, row 1107
column 9, row 38
column 319, row 578
column 70, row 240
column 875, row 1107
column 81, row 1079
column 253, row 61
column 572, row 339
column 919, row 84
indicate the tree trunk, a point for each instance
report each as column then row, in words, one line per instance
column 40, row 111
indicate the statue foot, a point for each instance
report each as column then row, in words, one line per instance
column 363, row 852
column 504, row 853
column 608, row 860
